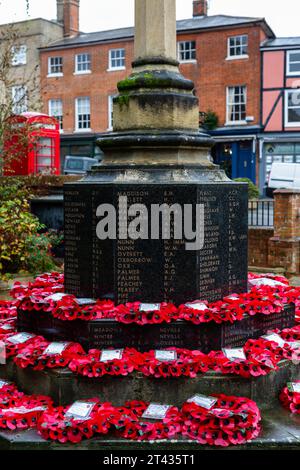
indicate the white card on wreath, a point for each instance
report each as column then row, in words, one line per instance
column 111, row 354
column 265, row 281
column 7, row 327
column 80, row 410
column 293, row 344
column 83, row 301
column 55, row 348
column 156, row 411
column 55, row 297
column 234, row 353
column 294, row 387
column 22, row 410
column 276, row 338
column 20, row 338
column 3, row 383
column 149, row 307
column 204, row 401
column 165, row 356
column 200, row 306
column 231, row 297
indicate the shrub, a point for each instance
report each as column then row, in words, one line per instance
column 21, row 245
column 210, row 121
column 253, row 190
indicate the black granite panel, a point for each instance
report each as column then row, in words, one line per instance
column 155, row 270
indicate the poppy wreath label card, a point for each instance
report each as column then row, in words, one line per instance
column 20, row 338
column 55, row 297
column 203, row 401
column 80, row 410
column 264, row 281
column 293, row 387
column 163, row 355
column 84, row 302
column 274, row 337
column 4, row 383
column 200, row 306
column 156, row 411
column 293, row 344
column 7, row 327
column 234, row 354
column 111, row 354
column 149, row 307
column 22, row 410
column 55, row 348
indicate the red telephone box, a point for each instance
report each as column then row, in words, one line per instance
column 35, row 140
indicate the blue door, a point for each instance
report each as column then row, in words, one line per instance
column 236, row 159
column 244, row 160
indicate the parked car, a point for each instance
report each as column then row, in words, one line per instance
column 77, row 165
column 283, row 176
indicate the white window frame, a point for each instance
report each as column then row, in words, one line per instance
column 185, row 61
column 19, row 55
column 77, row 114
column 110, row 59
column 286, row 110
column 288, row 63
column 228, row 121
column 55, row 74
column 18, row 107
column 240, row 56
column 82, row 72
column 52, row 112
column 110, row 112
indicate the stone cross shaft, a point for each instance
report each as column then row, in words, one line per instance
column 155, row 29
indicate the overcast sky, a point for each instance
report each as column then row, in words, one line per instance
column 95, row 15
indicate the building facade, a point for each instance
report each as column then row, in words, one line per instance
column 20, row 44
column 280, row 141
column 221, row 54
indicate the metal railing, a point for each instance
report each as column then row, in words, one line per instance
column 261, row 213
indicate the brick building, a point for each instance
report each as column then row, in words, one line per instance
column 221, row 54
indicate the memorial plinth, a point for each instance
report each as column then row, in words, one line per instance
column 102, row 334
column 155, row 270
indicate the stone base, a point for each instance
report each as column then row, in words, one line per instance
column 101, row 334
column 65, row 387
column 280, row 431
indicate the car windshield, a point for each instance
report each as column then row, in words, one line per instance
column 75, row 164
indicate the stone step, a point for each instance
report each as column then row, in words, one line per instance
column 65, row 387
column 266, row 269
column 280, row 431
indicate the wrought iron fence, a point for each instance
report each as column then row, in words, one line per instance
column 261, row 213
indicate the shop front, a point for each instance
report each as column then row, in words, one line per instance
column 236, row 154
column 277, row 148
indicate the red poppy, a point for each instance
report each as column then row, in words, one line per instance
column 290, row 398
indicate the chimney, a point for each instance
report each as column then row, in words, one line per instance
column 200, row 8
column 68, row 15
column 60, row 11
